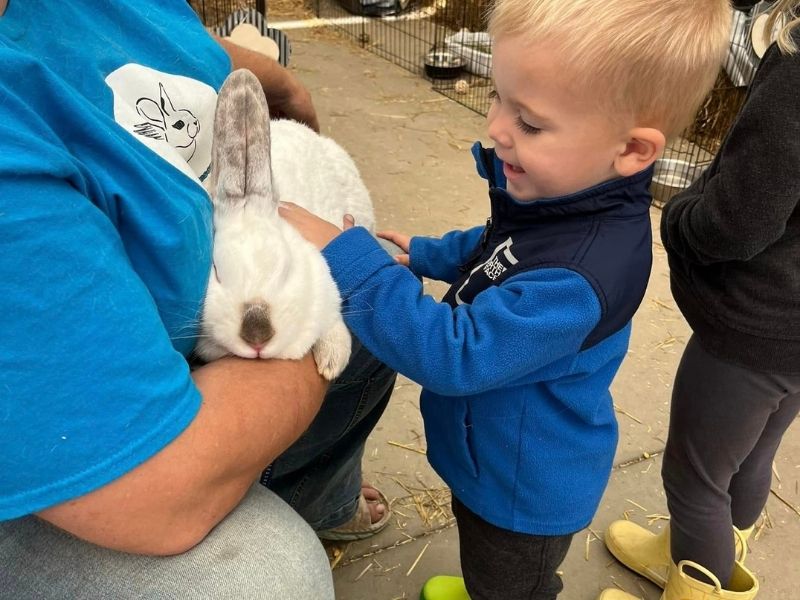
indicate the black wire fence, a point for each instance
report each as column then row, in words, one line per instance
column 214, row 12
column 446, row 42
column 223, row 16
column 442, row 40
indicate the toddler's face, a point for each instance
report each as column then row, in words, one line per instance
column 552, row 139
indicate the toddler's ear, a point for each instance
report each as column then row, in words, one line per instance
column 644, row 146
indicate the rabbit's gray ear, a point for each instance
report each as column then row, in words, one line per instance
column 240, row 168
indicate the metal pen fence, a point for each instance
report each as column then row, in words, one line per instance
column 223, row 16
column 407, row 32
column 214, row 12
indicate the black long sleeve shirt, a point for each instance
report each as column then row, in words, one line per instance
column 733, row 237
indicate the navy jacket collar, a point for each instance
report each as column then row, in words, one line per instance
column 625, row 196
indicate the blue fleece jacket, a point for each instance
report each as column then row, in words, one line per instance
column 516, row 362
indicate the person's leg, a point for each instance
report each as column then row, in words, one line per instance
column 497, row 563
column 718, row 415
column 750, row 486
column 320, row 474
column 263, row 549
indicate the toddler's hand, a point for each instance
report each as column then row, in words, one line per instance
column 316, row 230
column 399, row 239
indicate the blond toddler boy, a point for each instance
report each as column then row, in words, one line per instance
column 517, row 359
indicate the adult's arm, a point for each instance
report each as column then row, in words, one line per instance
column 286, row 96
column 252, row 410
column 98, row 408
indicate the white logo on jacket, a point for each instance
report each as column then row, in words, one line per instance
column 492, row 267
column 170, row 114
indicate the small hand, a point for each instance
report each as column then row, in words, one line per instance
column 399, row 239
column 316, row 230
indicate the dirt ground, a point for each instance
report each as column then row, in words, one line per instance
column 411, row 145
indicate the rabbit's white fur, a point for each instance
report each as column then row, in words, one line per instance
column 268, row 283
column 315, row 172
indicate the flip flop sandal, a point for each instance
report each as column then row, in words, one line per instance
column 360, row 526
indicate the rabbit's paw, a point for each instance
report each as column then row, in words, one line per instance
column 332, row 351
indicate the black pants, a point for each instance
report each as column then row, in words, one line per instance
column 504, row 565
column 726, row 423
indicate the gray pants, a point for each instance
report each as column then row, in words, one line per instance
column 726, row 423
column 263, row 549
column 506, row 565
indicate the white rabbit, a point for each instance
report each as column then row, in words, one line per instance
column 315, row 172
column 270, row 293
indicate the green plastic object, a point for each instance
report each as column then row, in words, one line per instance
column 444, row 587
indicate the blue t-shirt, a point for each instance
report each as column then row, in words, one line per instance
column 106, row 113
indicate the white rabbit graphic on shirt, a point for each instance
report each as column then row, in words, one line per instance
column 179, row 127
column 168, row 113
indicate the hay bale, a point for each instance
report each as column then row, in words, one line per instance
column 716, row 115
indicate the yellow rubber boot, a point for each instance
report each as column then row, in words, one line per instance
column 680, row 586
column 639, row 549
column 444, row 587
column 611, row 594
column 648, row 553
column 740, row 539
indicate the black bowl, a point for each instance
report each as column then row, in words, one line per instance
column 443, row 64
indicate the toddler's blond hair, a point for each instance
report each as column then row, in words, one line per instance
column 653, row 59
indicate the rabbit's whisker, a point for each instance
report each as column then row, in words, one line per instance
column 347, row 295
column 357, row 312
column 187, row 328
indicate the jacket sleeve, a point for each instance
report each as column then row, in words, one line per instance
column 508, row 332
column 440, row 258
column 741, row 205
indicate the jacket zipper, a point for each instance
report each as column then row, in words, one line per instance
column 488, row 167
column 482, row 244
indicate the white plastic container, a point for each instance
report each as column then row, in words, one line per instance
column 475, row 48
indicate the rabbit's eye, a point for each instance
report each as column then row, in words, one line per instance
column 216, row 274
column 178, row 125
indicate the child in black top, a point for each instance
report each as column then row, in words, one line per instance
column 733, row 240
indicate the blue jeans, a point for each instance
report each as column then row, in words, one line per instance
column 320, row 474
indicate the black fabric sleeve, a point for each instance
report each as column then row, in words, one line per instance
column 741, row 205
